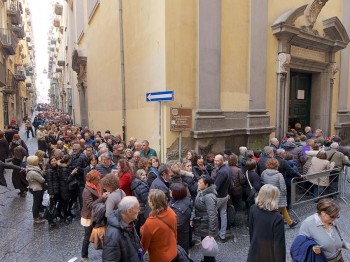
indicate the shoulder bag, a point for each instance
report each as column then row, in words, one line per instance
column 181, row 253
column 253, row 193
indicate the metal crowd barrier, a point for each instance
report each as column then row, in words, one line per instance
column 302, row 190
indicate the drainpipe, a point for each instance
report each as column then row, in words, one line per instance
column 122, row 69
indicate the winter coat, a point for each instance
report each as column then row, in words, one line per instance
column 286, row 170
column 53, row 181
column 140, row 190
column 90, row 198
column 238, row 180
column 4, row 149
column 275, row 178
column 159, row 183
column 205, row 217
column 254, row 180
column 125, row 183
column 267, row 237
column 82, row 162
column 65, row 178
column 19, row 153
column 158, row 237
column 120, row 243
column 183, row 210
column 4, row 165
column 338, row 158
column 152, row 175
column 301, row 250
column 35, row 178
column 105, row 170
column 297, row 153
column 318, row 165
column 222, row 181
column 113, row 201
column 199, row 172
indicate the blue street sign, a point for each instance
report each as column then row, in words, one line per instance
column 160, row 96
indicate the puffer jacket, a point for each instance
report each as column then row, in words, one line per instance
column 140, row 190
column 53, row 181
column 35, row 178
column 275, row 178
column 205, row 217
column 120, row 244
column 183, row 210
column 64, row 178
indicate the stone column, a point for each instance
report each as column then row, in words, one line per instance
column 209, row 55
column 282, row 95
column 345, row 61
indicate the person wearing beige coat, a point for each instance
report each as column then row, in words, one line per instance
column 319, row 163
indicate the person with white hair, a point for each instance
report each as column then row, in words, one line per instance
column 275, row 144
column 242, row 151
column 121, row 242
column 333, row 155
column 266, row 227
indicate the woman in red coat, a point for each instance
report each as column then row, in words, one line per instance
column 125, row 176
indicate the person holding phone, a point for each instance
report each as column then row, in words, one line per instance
column 324, row 229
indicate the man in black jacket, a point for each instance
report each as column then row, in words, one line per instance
column 121, row 242
column 222, row 182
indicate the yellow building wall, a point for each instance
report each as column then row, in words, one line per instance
column 101, row 41
column 144, row 44
column 235, row 55
column 181, row 34
column 276, row 9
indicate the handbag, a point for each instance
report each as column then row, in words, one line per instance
column 97, row 236
column 209, row 247
column 181, row 253
column 73, row 185
column 51, row 211
column 252, row 193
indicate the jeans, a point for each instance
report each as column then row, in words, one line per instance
column 37, row 200
column 86, row 242
column 222, row 208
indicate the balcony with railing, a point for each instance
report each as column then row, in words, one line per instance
column 14, row 12
column 19, row 31
column 8, row 41
column 10, row 86
column 20, row 73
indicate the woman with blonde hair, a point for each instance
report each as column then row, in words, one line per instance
column 266, row 227
column 41, row 155
column 159, row 232
column 36, row 186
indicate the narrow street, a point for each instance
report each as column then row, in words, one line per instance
column 23, row 241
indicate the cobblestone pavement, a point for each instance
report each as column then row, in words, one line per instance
column 22, row 241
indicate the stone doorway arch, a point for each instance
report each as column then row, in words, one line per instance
column 302, row 48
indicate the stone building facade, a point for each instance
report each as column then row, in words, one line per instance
column 247, row 69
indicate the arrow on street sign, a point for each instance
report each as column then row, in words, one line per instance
column 160, row 96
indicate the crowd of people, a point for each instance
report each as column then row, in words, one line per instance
column 144, row 208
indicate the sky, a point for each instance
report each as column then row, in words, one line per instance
column 42, row 12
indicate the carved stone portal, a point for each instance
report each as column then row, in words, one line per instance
column 313, row 10
column 283, row 63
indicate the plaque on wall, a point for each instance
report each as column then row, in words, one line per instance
column 301, row 94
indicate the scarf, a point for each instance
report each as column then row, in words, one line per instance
column 97, row 188
column 154, row 170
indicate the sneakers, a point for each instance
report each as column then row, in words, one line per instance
column 39, row 220
column 293, row 224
